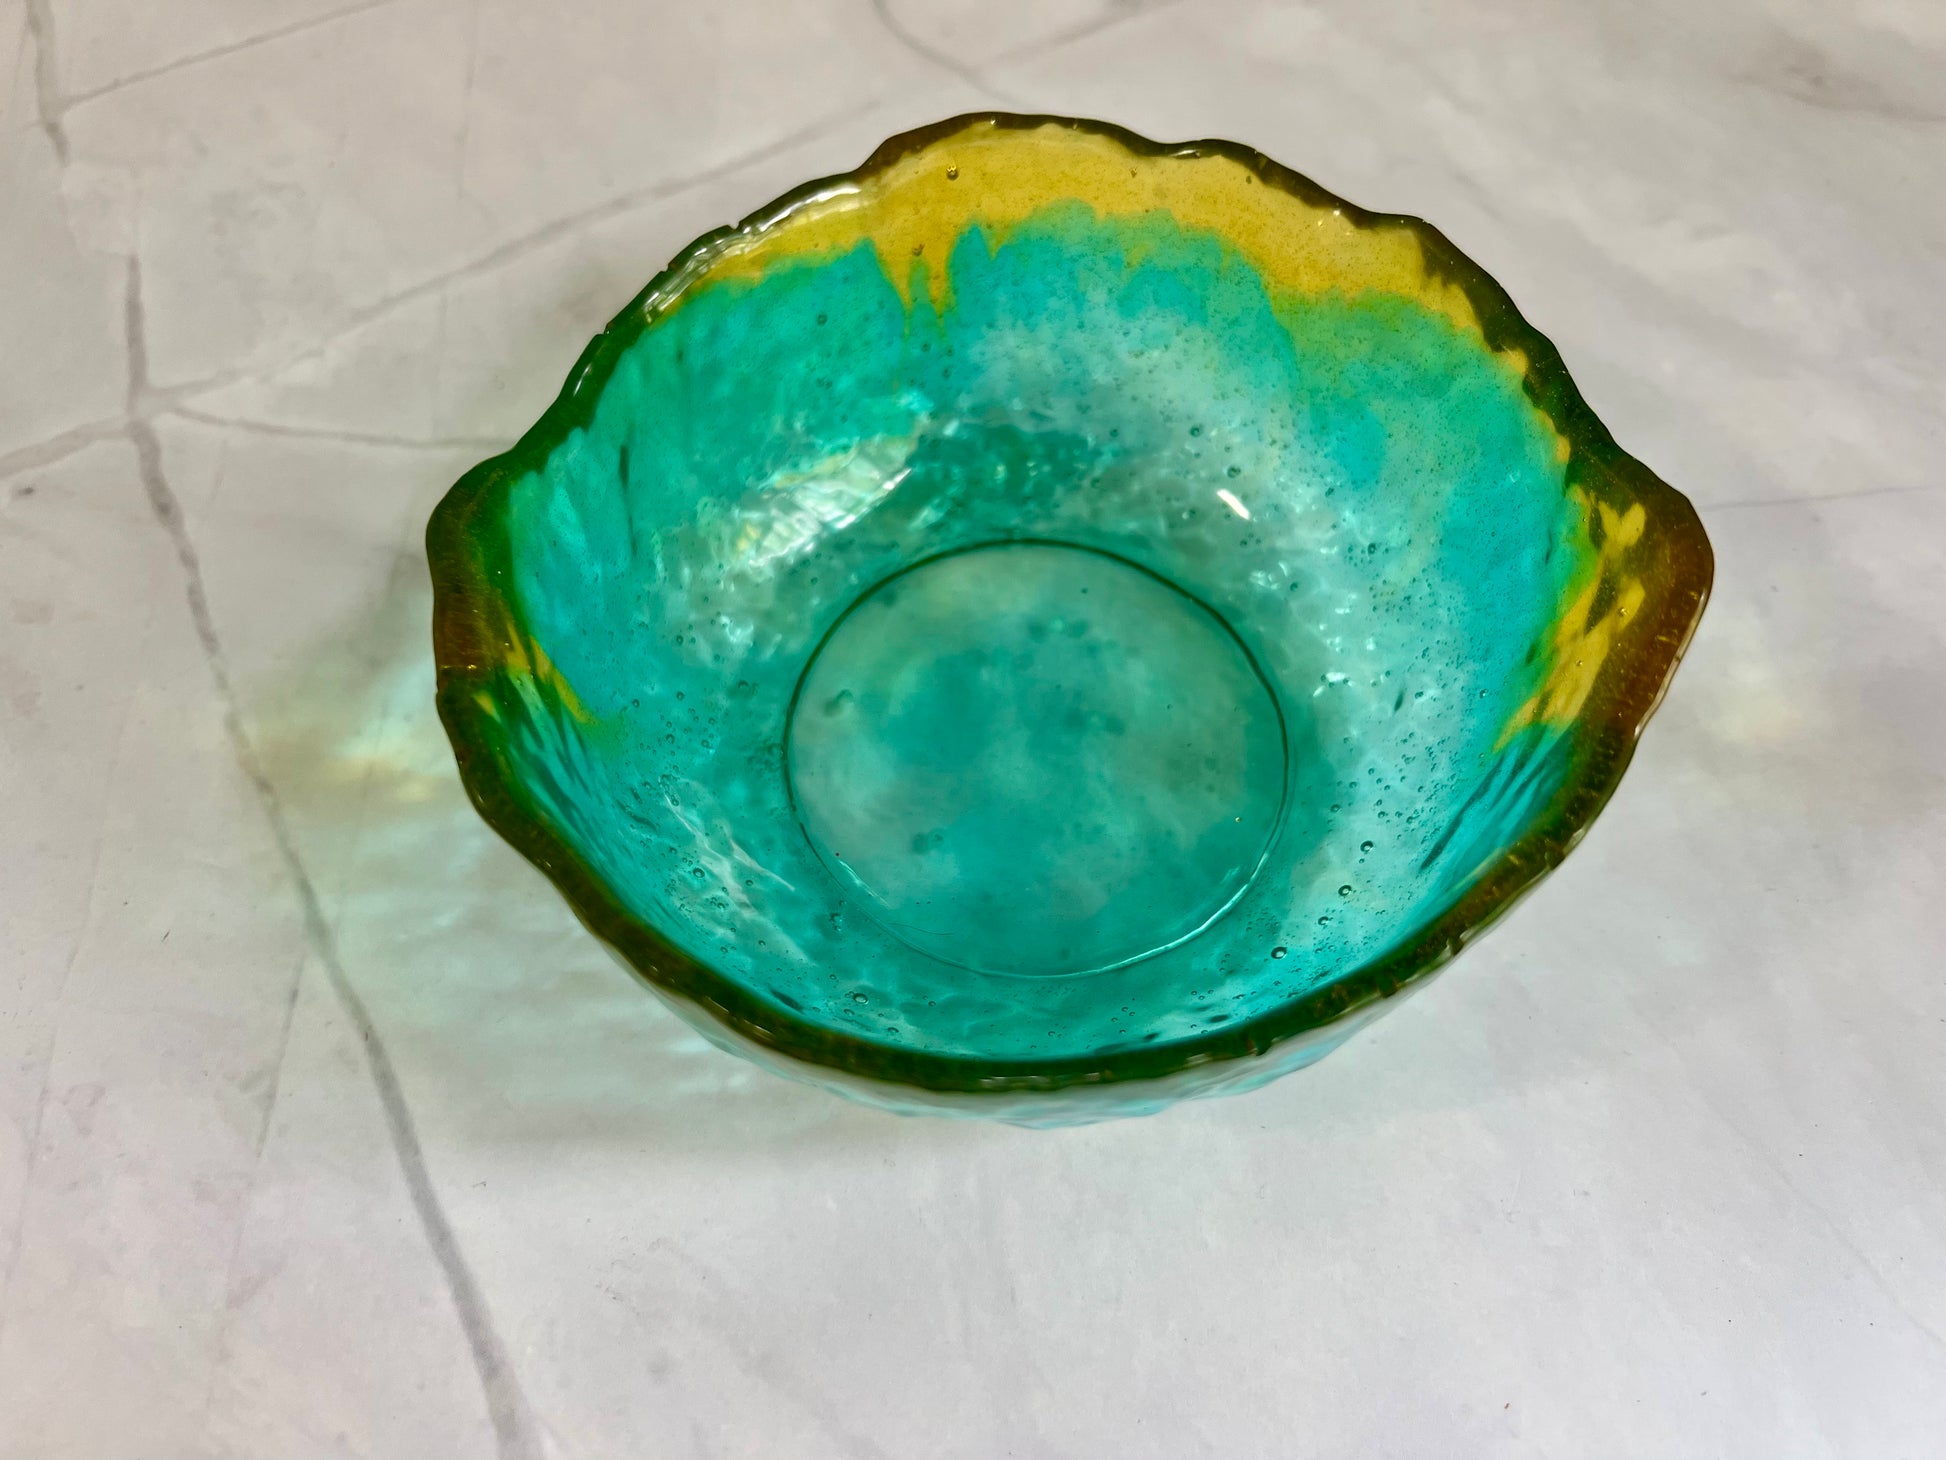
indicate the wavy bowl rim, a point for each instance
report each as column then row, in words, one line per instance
column 1602, row 747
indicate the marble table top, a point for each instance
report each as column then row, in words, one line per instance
column 326, row 1132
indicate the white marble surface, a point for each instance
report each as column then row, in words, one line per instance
column 325, row 1132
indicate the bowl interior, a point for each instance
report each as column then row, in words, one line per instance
column 1043, row 603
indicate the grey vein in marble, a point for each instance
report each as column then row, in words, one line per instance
column 1660, row 1168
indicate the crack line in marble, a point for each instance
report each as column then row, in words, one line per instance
column 1747, row 503
column 488, row 444
column 215, row 53
column 465, row 139
column 47, row 77
column 980, row 78
column 155, row 400
column 506, row 1407
column 932, row 55
column 235, row 1297
column 1768, row 1159
column 232, row 1299
column 51, row 449
column 759, row 1363
column 1120, row 12
column 166, row 397
column 33, row 1134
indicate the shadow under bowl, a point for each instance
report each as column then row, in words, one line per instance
column 1049, row 623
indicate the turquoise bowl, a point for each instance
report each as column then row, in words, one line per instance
column 1048, row 624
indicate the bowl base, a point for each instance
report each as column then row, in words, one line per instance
column 1037, row 759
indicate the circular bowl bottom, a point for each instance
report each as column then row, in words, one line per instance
column 1035, row 759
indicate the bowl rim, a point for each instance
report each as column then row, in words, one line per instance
column 1601, row 746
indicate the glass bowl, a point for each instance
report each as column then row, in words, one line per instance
column 1050, row 623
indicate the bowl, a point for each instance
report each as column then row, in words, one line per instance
column 1050, row 623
